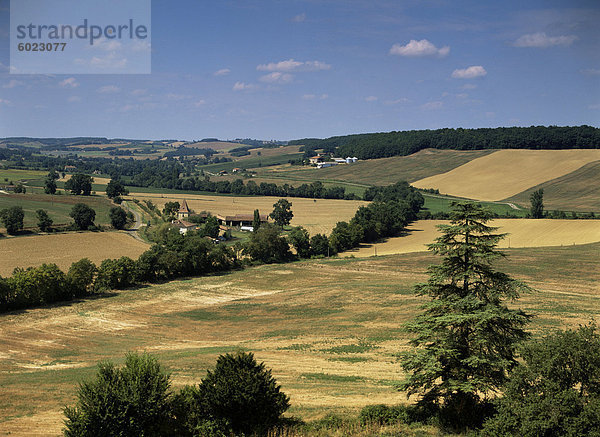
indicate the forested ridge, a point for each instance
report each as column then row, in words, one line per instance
column 400, row 143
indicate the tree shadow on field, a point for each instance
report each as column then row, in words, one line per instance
column 404, row 232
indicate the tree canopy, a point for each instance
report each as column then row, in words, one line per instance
column 282, row 212
column 12, row 218
column 80, row 183
column 83, row 215
column 537, row 203
column 466, row 337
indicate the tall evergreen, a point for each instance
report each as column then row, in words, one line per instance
column 537, row 203
column 466, row 337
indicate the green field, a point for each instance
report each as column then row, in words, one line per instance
column 576, row 191
column 384, row 171
column 58, row 206
column 330, row 329
column 250, row 163
column 7, row 175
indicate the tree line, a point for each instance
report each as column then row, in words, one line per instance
column 401, row 143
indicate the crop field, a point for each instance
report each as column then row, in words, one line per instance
column 7, row 175
column 506, row 173
column 63, row 249
column 58, row 206
column 521, row 233
column 329, row 329
column 576, row 191
column 317, row 216
column 384, row 171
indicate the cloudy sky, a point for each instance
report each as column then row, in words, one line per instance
column 316, row 68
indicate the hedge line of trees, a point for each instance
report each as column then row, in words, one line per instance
column 175, row 255
column 385, row 144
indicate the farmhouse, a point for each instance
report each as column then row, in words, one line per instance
column 183, row 226
column 240, row 219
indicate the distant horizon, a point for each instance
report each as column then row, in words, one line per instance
column 199, row 139
column 288, row 70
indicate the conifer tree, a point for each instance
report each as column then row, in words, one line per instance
column 466, row 338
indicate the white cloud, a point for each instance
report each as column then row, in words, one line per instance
column 139, row 92
column 74, row 99
column 308, row 97
column 241, row 86
column 324, row 96
column 469, row 72
column 299, row 18
column 109, row 61
column 292, row 65
column 277, row 77
column 370, row 99
column 199, row 103
column 108, row 89
column 591, row 71
column 541, row 40
column 222, row 72
column 397, row 101
column 4, row 102
column 462, row 95
column 432, row 105
column 419, row 48
column 69, row 82
column 12, row 84
column 109, row 45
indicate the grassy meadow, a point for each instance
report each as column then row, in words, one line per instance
column 330, row 329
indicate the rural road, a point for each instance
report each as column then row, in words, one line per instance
column 136, row 225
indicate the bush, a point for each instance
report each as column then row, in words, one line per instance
column 384, row 415
column 130, row 401
column 556, row 391
column 243, row 394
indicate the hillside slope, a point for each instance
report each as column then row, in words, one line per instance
column 506, row 173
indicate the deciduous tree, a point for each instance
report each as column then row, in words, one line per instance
column 80, row 184
column 282, row 212
column 83, row 215
column 13, row 219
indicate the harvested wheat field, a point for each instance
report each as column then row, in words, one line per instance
column 522, row 233
column 317, row 216
column 329, row 329
column 506, row 173
column 64, row 249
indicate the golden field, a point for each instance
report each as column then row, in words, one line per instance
column 64, row 249
column 317, row 216
column 506, row 173
column 329, row 329
column 521, row 233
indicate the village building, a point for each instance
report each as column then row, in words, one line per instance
column 240, row 219
column 184, row 210
column 183, row 226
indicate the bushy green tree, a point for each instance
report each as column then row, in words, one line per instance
column 116, row 189
column 537, row 204
column 81, row 275
column 38, row 286
column 133, row 400
column 211, row 227
column 242, row 393
column 83, row 215
column 345, row 236
column 44, row 220
column 12, row 218
column 170, row 210
column 50, row 182
column 282, row 212
column 556, row 391
column 116, row 273
column 80, row 183
column 466, row 338
column 118, row 217
column 300, row 240
column 267, row 245
column 319, row 245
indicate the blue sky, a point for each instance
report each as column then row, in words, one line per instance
column 291, row 69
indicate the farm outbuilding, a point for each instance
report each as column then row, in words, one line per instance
column 240, row 219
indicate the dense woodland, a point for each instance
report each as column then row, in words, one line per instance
column 400, row 143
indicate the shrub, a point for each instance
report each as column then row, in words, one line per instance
column 384, row 415
column 130, row 401
column 242, row 393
